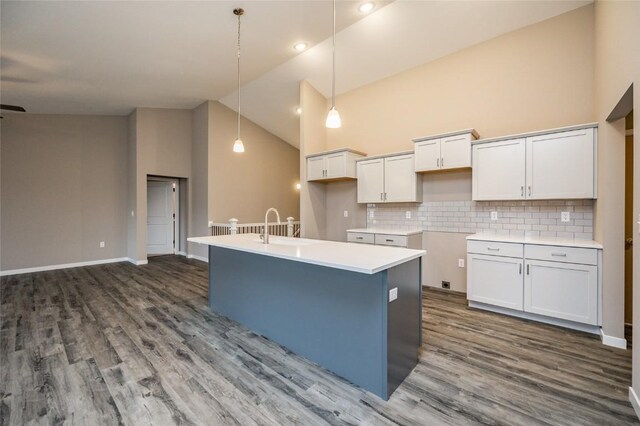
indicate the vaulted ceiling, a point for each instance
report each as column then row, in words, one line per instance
column 70, row 57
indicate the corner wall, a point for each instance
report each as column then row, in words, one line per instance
column 618, row 66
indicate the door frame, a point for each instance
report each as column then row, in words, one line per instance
column 176, row 207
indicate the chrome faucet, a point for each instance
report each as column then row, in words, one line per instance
column 265, row 236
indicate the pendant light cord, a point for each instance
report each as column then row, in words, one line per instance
column 239, row 14
column 333, row 88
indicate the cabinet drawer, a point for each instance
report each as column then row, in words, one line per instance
column 585, row 256
column 360, row 237
column 495, row 248
column 391, row 240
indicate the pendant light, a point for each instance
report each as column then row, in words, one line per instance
column 333, row 118
column 238, row 146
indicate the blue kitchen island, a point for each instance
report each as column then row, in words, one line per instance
column 354, row 309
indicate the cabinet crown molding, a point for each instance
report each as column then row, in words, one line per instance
column 536, row 133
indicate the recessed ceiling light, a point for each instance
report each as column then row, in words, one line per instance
column 366, row 7
column 300, row 46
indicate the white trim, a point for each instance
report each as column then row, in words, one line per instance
column 182, row 253
column 200, row 258
column 635, row 402
column 629, row 132
column 593, row 329
column 137, row 262
column 62, row 266
column 616, row 342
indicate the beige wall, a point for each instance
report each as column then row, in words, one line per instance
column 245, row 185
column 63, row 189
column 535, row 78
column 202, row 137
column 313, row 139
column 618, row 66
column 341, row 197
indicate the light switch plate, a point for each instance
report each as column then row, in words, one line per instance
column 494, row 215
column 393, row 294
column 407, row 214
column 210, row 224
column 346, row 213
column 101, row 244
column 565, row 216
column 460, row 263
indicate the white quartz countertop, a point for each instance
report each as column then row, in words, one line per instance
column 387, row 231
column 543, row 241
column 363, row 258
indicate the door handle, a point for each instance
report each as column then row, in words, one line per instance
column 628, row 243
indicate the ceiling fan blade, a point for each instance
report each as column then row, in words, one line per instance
column 12, row 108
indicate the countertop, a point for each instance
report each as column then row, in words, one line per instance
column 543, row 241
column 386, row 231
column 363, row 258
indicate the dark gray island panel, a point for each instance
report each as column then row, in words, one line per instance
column 340, row 319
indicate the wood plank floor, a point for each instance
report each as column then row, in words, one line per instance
column 120, row 344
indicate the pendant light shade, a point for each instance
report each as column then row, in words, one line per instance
column 238, row 146
column 333, row 118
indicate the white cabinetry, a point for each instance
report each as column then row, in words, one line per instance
column 557, row 164
column 388, row 180
column 443, row 152
column 333, row 165
column 386, row 237
column 542, row 281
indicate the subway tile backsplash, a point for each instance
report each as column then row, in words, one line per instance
column 516, row 218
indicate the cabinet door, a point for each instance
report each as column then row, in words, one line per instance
column 315, row 168
column 427, row 155
column 370, row 180
column 495, row 280
column 499, row 170
column 455, row 152
column 562, row 290
column 336, row 165
column 561, row 165
column 400, row 180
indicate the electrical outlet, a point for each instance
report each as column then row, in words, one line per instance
column 346, row 213
column 565, row 216
column 494, row 215
column 460, row 263
column 371, row 214
column 210, row 224
column 133, row 213
column 407, row 214
column 393, row 294
column 101, row 244
column 446, row 284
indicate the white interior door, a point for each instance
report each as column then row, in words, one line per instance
column 160, row 217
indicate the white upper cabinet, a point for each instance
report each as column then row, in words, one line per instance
column 443, row 152
column 561, row 165
column 558, row 164
column 388, row 179
column 371, row 181
column 333, row 165
column 498, row 170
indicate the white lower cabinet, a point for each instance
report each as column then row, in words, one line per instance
column 562, row 290
column 495, row 280
column 539, row 281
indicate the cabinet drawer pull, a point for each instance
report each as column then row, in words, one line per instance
column 527, row 269
column 388, row 240
column 520, row 269
column 359, row 238
column 559, row 254
column 493, row 249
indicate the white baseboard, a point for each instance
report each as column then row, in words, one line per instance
column 62, row 266
column 200, row 258
column 635, row 402
column 137, row 262
column 181, row 253
column 615, row 342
